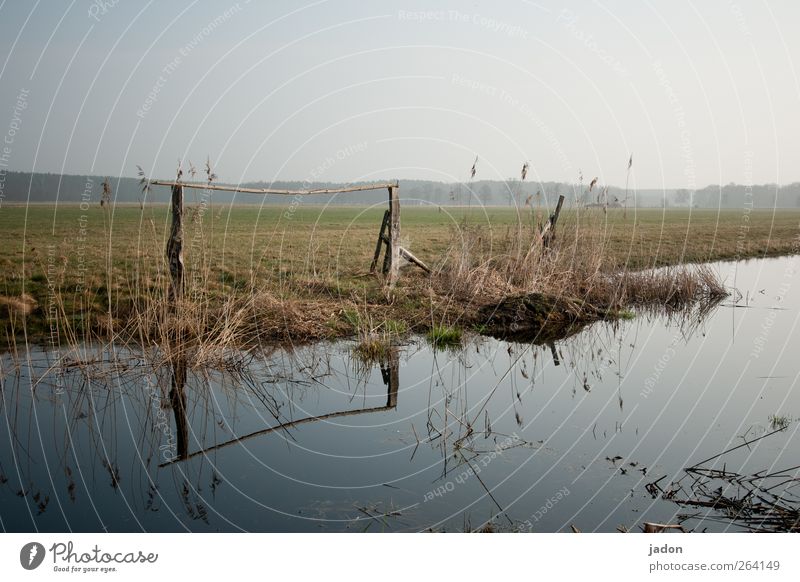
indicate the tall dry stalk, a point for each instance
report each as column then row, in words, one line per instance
column 627, row 179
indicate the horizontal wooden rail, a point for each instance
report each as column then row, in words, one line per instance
column 207, row 186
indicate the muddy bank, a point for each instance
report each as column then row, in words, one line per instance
column 538, row 318
column 253, row 317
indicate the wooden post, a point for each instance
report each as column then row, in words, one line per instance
column 394, row 234
column 175, row 259
column 175, row 245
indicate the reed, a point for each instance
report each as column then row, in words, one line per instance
column 575, row 270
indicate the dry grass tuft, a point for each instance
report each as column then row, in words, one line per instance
column 672, row 287
column 18, row 306
column 516, row 277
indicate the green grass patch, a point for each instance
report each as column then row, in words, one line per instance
column 352, row 317
column 443, row 337
column 373, row 348
column 626, row 314
column 395, row 327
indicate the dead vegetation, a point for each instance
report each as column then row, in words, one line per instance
column 763, row 501
column 21, row 306
column 520, row 287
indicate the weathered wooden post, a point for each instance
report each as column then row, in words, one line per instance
column 175, row 245
column 394, row 233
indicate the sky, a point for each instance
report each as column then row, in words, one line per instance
column 338, row 90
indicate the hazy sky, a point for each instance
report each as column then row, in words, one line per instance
column 699, row 93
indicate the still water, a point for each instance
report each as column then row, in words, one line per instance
column 525, row 437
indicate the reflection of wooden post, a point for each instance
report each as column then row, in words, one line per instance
column 175, row 245
column 553, row 351
column 394, row 234
column 390, row 371
column 177, row 398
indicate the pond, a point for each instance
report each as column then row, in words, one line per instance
column 595, row 432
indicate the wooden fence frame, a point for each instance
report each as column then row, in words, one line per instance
column 175, row 242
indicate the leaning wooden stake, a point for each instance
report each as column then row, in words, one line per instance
column 546, row 236
column 407, row 255
column 175, row 246
column 381, row 241
column 387, row 256
column 547, row 231
column 394, row 234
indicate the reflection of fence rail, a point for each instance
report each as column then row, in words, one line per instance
column 175, row 243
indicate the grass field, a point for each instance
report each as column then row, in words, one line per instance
column 313, row 260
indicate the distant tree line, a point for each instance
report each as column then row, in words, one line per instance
column 21, row 187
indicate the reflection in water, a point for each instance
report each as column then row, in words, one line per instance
column 525, row 436
column 177, row 398
column 389, row 371
column 763, row 501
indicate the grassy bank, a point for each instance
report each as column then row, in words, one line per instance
column 283, row 273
